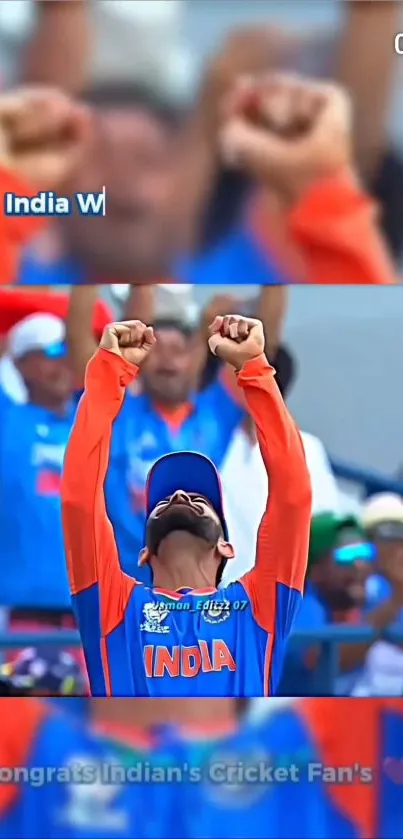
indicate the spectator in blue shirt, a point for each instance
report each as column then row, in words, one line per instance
column 33, row 436
column 340, row 563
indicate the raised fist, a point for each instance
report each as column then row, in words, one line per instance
column 131, row 339
column 288, row 131
column 42, row 135
column 235, row 339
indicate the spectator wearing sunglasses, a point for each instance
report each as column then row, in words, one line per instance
column 341, row 561
column 382, row 521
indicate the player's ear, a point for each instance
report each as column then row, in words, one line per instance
column 144, row 556
column 225, row 549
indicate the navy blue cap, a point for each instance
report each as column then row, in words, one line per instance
column 189, row 472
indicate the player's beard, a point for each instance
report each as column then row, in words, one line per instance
column 183, row 519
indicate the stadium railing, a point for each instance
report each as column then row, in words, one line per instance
column 369, row 482
column 329, row 638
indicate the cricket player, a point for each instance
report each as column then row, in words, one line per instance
column 183, row 636
column 320, row 769
column 49, row 797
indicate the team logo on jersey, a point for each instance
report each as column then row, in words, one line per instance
column 216, row 611
column 92, row 804
column 154, row 616
column 236, row 779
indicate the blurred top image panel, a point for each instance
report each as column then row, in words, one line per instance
column 200, row 141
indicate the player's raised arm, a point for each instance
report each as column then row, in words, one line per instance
column 93, row 563
column 276, row 582
column 295, row 136
column 42, row 136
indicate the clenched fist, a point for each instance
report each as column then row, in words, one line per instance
column 42, row 135
column 235, row 339
column 288, row 131
column 131, row 339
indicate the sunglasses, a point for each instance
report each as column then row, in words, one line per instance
column 56, row 350
column 364, row 552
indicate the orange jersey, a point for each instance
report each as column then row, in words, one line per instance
column 144, row 641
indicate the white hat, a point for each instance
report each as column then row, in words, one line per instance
column 36, row 332
column 381, row 508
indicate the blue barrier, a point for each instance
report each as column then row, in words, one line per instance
column 370, row 481
column 330, row 638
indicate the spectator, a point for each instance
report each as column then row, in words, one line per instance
column 382, row 521
column 130, row 150
column 245, row 489
column 323, row 170
column 45, row 672
column 340, row 561
column 33, row 437
column 324, row 54
column 11, row 383
column 243, row 474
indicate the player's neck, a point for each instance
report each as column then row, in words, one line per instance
column 186, row 574
column 146, row 714
column 184, row 562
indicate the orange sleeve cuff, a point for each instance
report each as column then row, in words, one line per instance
column 254, row 367
column 18, row 229
column 14, row 232
column 334, row 224
column 112, row 367
column 328, row 199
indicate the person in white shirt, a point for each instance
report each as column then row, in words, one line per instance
column 244, row 483
column 11, row 382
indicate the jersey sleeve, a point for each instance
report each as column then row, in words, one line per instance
column 275, row 584
column 99, row 588
column 20, row 723
column 335, row 226
column 14, row 231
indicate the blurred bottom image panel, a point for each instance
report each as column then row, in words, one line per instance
column 163, row 531
column 201, row 769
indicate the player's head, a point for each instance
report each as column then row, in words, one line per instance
column 36, row 346
column 184, row 500
column 131, row 153
column 340, row 560
column 168, row 373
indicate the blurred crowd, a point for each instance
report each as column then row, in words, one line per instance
column 186, row 400
column 315, row 769
column 177, row 209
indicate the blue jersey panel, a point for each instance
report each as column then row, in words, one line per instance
column 189, row 645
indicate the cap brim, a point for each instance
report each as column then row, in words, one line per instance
column 187, row 471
